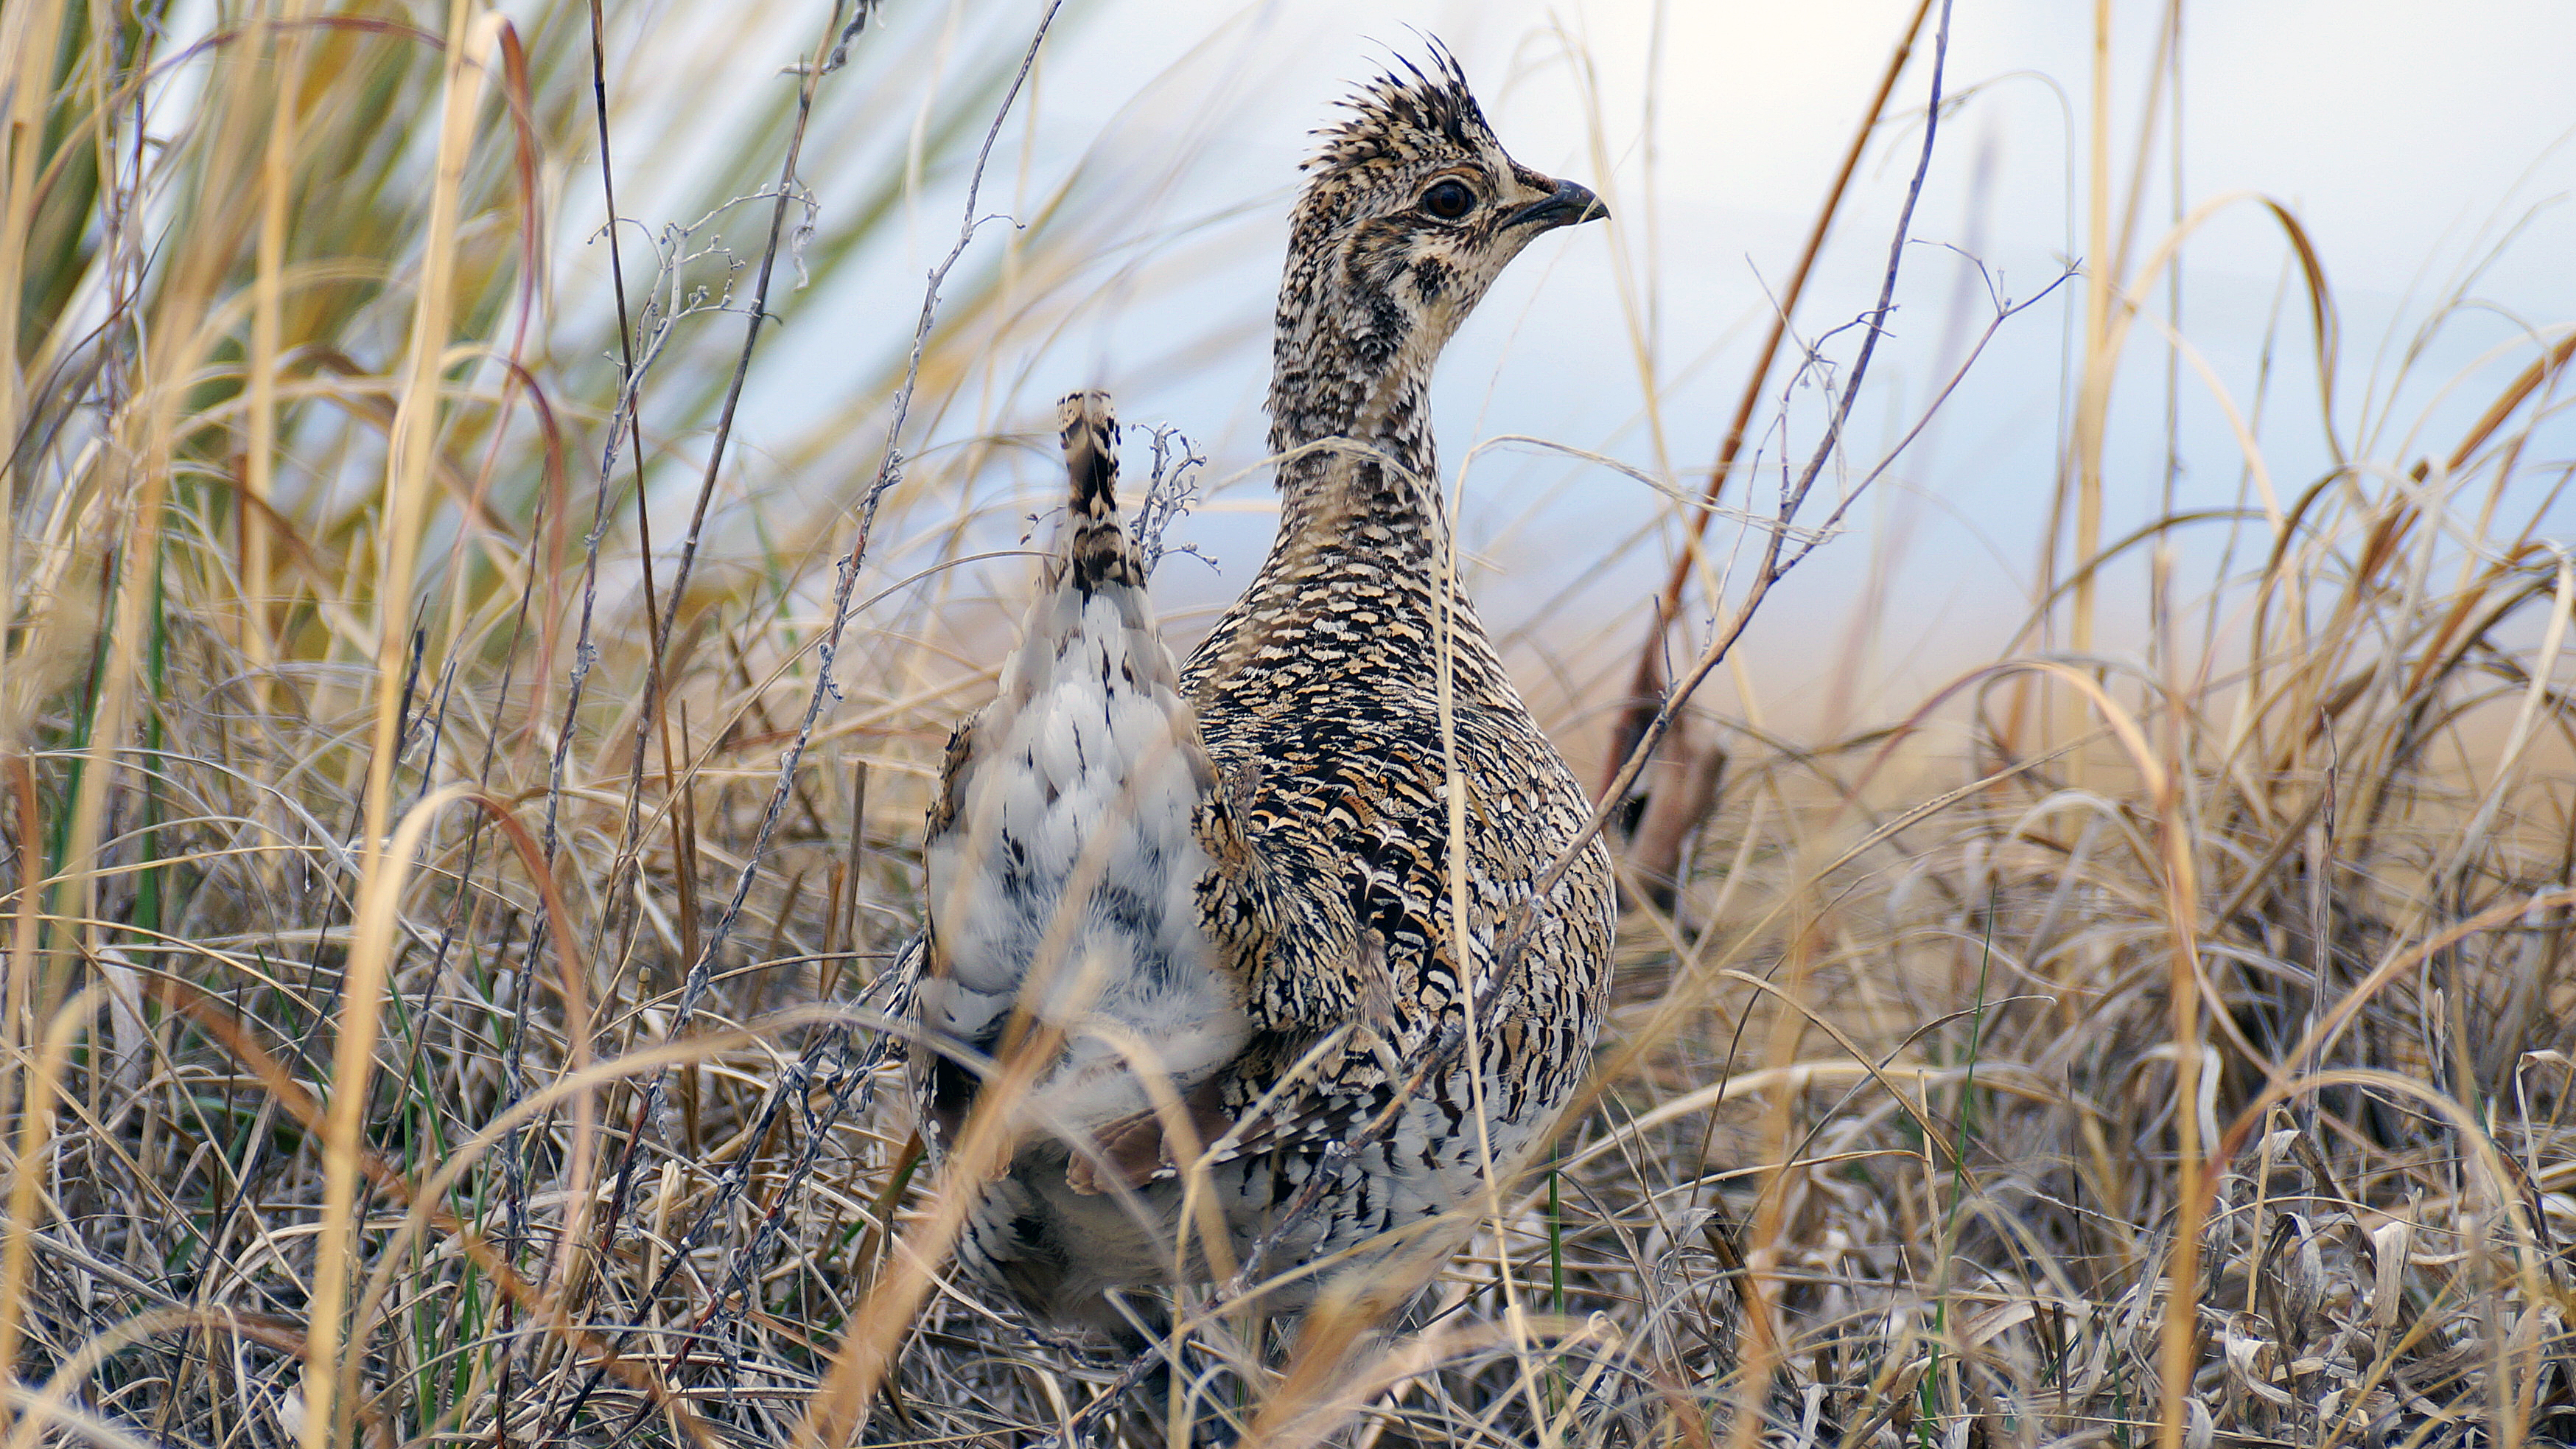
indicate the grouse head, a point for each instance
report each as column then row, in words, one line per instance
column 1410, row 210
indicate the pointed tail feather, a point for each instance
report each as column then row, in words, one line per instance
column 1089, row 424
column 1101, row 551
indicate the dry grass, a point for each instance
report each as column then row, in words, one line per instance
column 432, row 1013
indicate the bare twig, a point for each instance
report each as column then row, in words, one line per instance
column 889, row 472
column 1774, row 566
column 1648, row 684
column 648, row 1107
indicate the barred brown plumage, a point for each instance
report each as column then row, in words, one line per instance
column 1327, row 718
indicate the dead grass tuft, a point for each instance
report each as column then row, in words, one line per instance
column 432, row 1013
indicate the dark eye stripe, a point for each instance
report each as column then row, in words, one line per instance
column 1448, row 200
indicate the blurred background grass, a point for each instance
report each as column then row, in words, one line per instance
column 2178, row 731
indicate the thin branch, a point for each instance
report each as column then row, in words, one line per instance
column 1773, row 567
column 1648, row 682
column 648, row 1108
column 889, row 472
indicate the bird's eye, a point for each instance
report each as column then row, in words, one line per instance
column 1449, row 200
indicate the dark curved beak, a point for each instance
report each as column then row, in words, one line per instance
column 1571, row 202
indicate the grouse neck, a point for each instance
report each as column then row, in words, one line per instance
column 1365, row 477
